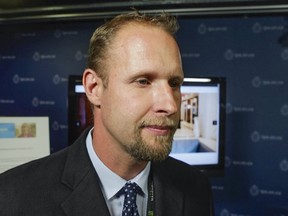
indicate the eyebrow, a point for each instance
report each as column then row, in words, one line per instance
column 154, row 74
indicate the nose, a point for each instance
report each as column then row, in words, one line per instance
column 166, row 100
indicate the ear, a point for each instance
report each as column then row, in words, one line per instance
column 93, row 86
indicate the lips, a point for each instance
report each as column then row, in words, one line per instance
column 158, row 126
column 159, row 130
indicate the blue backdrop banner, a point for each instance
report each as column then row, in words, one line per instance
column 250, row 52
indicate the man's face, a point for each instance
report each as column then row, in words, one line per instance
column 140, row 106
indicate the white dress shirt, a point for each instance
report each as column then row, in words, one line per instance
column 111, row 183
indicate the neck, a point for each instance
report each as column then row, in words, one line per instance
column 115, row 158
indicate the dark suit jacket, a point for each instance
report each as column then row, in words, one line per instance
column 65, row 183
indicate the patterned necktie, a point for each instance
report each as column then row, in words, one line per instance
column 130, row 191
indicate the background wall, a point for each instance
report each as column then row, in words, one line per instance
column 36, row 60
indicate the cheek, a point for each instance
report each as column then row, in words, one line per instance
column 135, row 107
column 177, row 98
column 124, row 102
column 125, row 106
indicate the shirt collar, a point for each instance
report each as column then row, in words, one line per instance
column 111, row 183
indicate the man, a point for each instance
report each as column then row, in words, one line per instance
column 133, row 83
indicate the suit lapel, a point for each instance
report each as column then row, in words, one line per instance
column 86, row 199
column 79, row 175
column 168, row 200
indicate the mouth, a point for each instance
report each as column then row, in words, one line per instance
column 159, row 130
column 159, row 126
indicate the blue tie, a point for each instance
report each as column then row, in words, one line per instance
column 130, row 191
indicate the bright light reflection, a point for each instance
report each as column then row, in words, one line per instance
column 197, row 80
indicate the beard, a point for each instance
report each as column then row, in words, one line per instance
column 152, row 148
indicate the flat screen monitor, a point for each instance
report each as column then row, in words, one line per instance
column 200, row 137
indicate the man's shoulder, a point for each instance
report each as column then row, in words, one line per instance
column 174, row 163
column 183, row 177
column 51, row 165
column 36, row 168
column 175, row 169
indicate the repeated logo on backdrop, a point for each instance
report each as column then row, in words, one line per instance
column 250, row 52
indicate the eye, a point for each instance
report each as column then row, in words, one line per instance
column 175, row 83
column 142, row 81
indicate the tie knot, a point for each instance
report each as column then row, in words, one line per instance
column 130, row 189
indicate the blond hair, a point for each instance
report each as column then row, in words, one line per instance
column 104, row 35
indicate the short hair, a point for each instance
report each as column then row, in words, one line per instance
column 103, row 36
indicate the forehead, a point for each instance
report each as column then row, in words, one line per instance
column 139, row 43
column 134, row 31
column 141, row 50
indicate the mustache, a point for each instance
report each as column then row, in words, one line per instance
column 160, row 122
